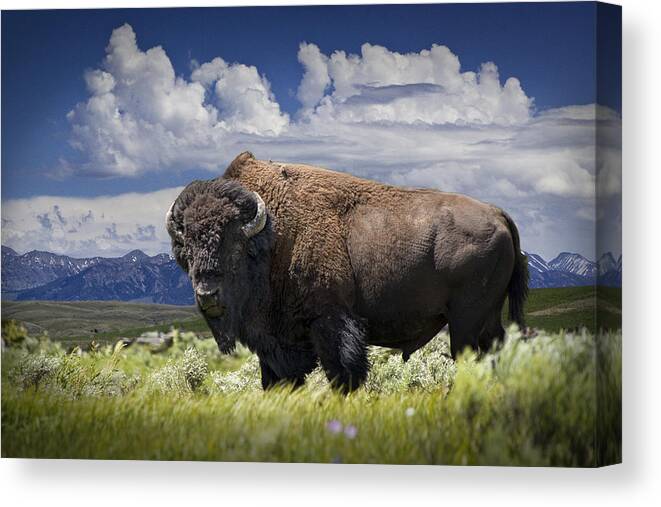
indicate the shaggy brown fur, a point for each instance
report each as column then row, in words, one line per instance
column 354, row 262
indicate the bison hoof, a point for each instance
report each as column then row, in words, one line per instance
column 346, row 383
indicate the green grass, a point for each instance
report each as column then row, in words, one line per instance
column 572, row 308
column 80, row 321
column 533, row 403
column 551, row 400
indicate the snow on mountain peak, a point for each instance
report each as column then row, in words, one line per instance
column 574, row 263
column 537, row 263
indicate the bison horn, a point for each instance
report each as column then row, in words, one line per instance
column 256, row 224
column 171, row 226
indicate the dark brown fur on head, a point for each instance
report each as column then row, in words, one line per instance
column 220, row 260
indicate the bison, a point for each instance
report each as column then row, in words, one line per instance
column 302, row 264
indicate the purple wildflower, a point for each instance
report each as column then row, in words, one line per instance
column 334, row 426
column 350, row 431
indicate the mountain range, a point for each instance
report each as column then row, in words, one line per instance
column 572, row 269
column 138, row 277
column 133, row 277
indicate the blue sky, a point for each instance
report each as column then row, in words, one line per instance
column 548, row 48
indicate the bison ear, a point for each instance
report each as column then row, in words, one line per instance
column 174, row 228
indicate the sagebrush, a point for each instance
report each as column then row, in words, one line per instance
column 542, row 401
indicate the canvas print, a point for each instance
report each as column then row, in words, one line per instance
column 326, row 234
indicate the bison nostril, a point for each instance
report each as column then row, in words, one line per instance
column 206, row 298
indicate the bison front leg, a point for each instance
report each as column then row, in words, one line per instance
column 269, row 377
column 282, row 365
column 339, row 341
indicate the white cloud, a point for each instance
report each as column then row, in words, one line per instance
column 315, row 77
column 83, row 227
column 243, row 97
column 380, row 85
column 99, row 82
column 410, row 119
column 141, row 116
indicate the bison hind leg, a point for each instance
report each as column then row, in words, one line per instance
column 339, row 341
column 467, row 320
column 493, row 331
column 471, row 327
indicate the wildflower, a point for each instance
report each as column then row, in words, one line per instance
column 350, row 431
column 334, row 426
column 410, row 412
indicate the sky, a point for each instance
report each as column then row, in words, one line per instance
column 107, row 114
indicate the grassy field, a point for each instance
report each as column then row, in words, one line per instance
column 79, row 322
column 573, row 308
column 554, row 399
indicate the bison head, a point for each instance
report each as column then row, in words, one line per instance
column 221, row 237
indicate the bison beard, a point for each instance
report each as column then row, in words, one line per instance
column 310, row 265
column 225, row 340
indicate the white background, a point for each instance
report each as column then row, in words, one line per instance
column 636, row 482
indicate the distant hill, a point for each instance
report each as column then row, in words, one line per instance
column 101, row 320
column 137, row 277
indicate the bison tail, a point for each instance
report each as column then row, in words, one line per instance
column 517, row 290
